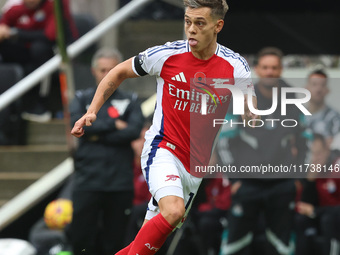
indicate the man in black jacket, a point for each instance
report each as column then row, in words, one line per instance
column 103, row 191
column 273, row 144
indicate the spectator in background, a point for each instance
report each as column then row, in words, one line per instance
column 324, row 120
column 103, row 188
column 271, row 196
column 141, row 190
column 319, row 207
column 27, row 37
column 210, row 216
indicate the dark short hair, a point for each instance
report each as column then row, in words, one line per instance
column 106, row 53
column 218, row 7
column 270, row 51
column 318, row 72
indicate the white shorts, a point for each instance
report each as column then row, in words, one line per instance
column 166, row 175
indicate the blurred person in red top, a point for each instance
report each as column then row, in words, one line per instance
column 27, row 38
column 319, row 207
column 27, row 25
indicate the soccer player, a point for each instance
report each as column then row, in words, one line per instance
column 181, row 136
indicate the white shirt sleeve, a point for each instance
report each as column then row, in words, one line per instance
column 242, row 75
column 151, row 60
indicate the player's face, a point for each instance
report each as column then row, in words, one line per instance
column 268, row 69
column 103, row 66
column 31, row 4
column 201, row 30
column 317, row 85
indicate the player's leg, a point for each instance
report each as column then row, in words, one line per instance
column 156, row 166
column 168, row 181
column 155, row 231
column 166, row 207
column 172, row 209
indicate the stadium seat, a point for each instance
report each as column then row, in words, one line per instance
column 9, row 75
column 10, row 121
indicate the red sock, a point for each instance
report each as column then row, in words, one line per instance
column 125, row 250
column 151, row 236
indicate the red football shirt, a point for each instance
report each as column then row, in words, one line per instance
column 179, row 124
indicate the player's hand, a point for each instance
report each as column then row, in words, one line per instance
column 5, row 32
column 305, row 209
column 120, row 124
column 86, row 120
column 235, row 187
column 249, row 117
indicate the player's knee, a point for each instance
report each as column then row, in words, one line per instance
column 173, row 210
column 174, row 215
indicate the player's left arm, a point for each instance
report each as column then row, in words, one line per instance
column 105, row 89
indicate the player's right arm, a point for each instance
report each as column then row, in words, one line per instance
column 104, row 90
